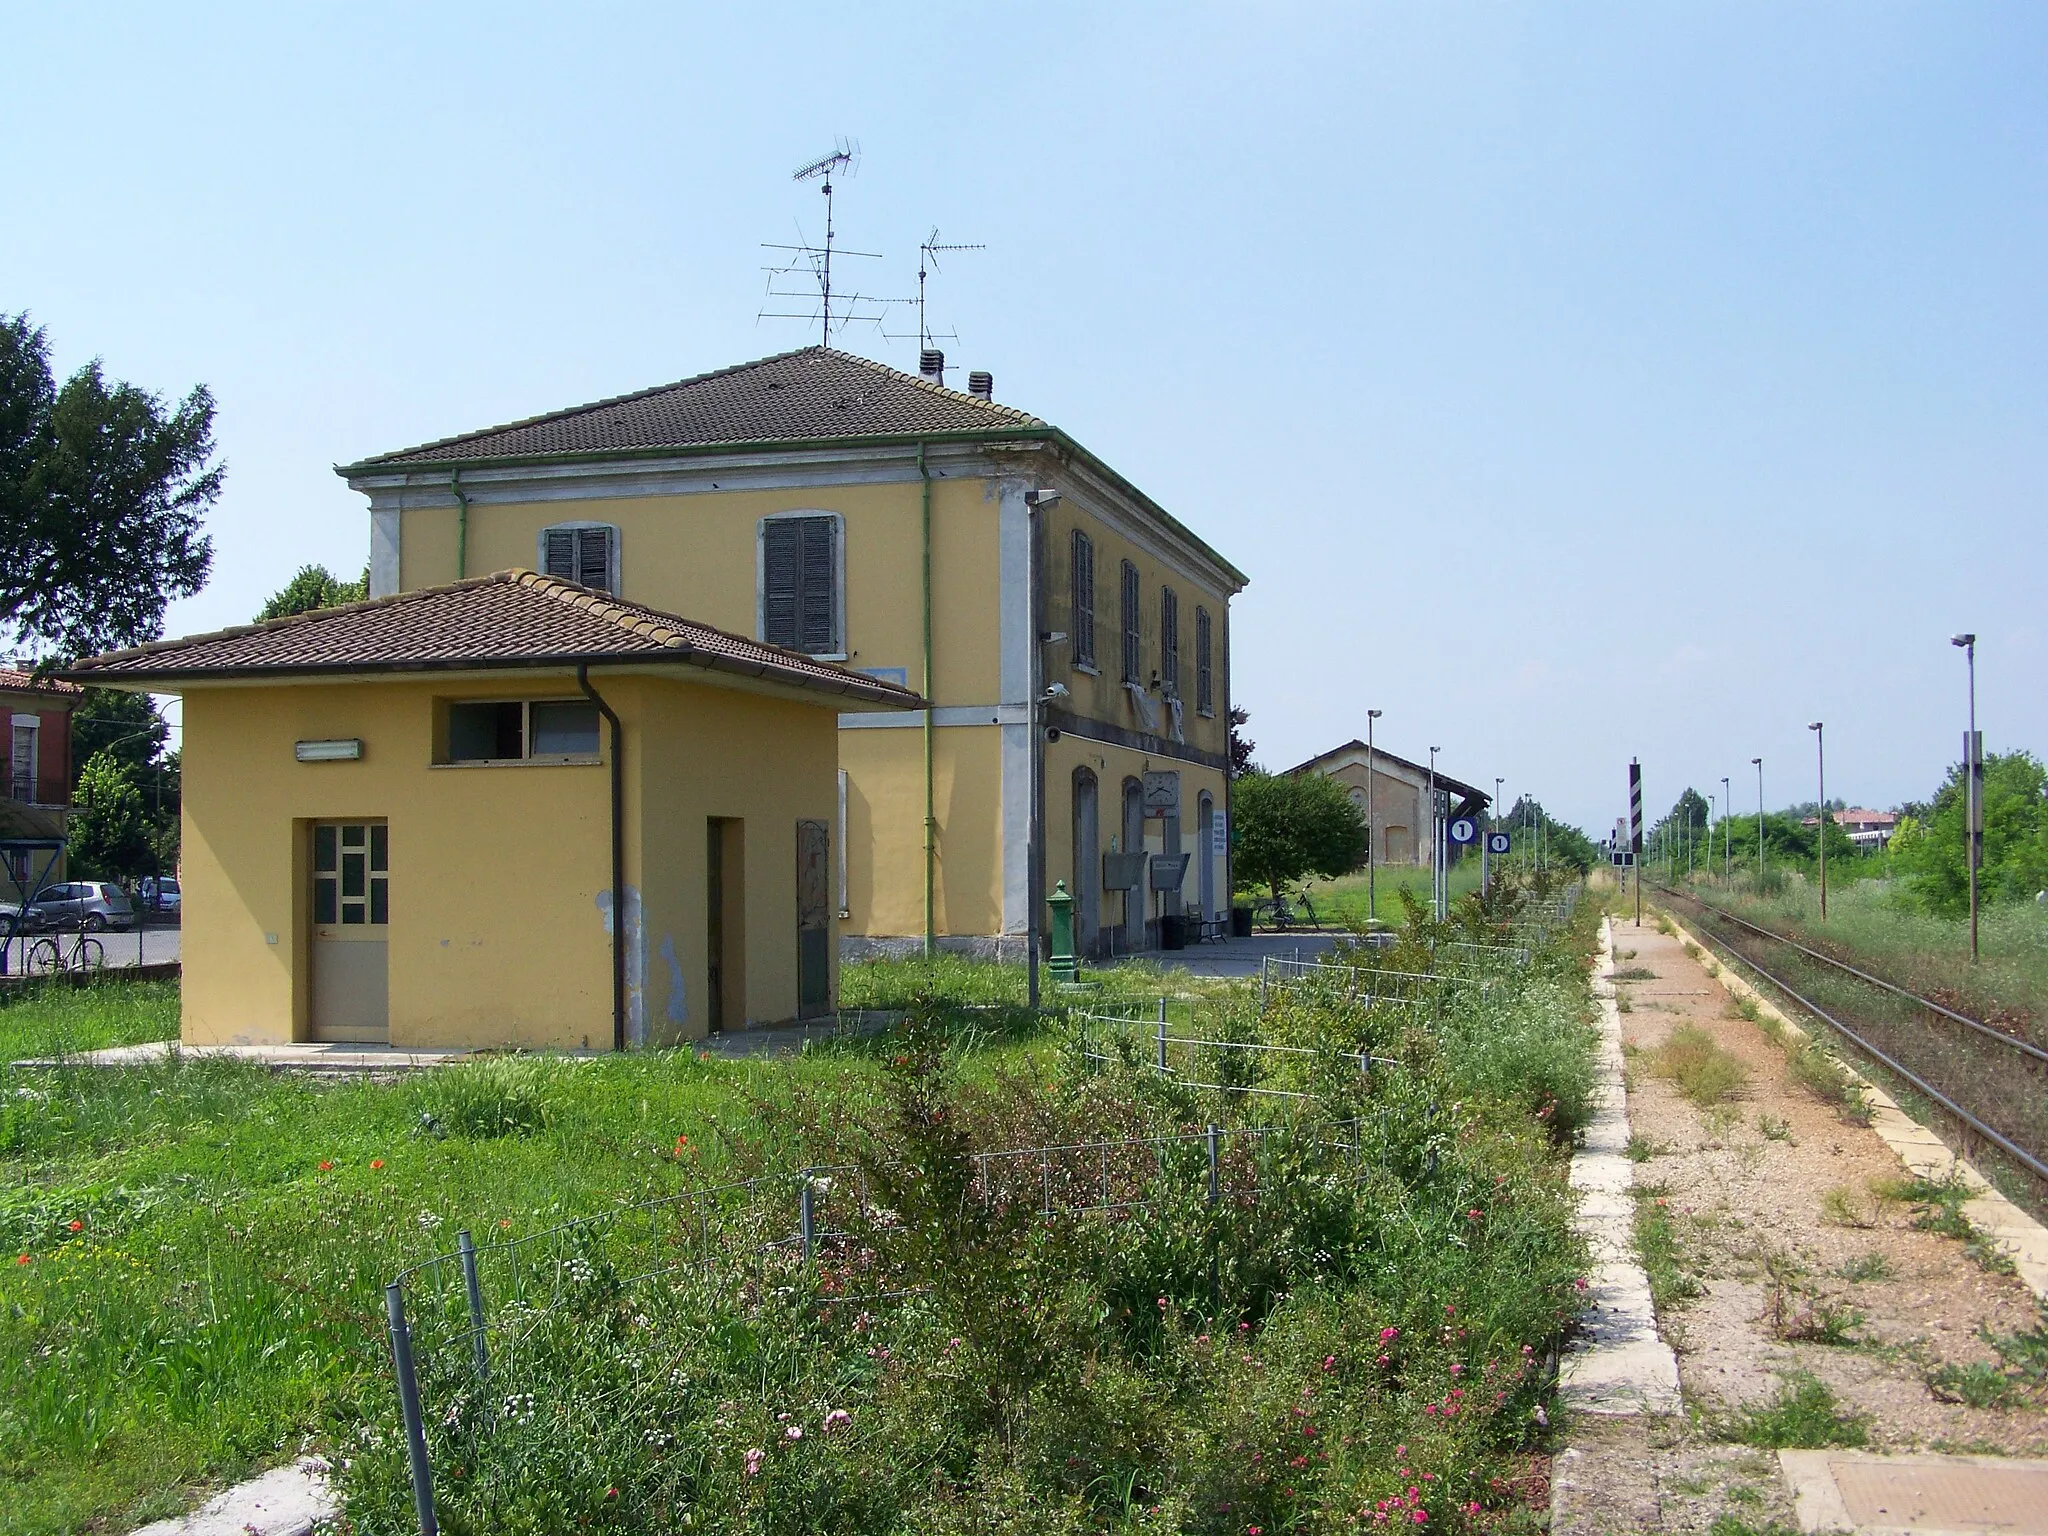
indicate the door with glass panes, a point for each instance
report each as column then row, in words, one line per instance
column 351, row 910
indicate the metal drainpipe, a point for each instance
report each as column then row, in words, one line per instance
column 461, row 527
column 924, row 476
column 618, row 855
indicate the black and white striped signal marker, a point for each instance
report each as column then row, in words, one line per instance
column 1635, row 807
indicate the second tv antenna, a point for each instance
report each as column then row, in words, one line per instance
column 843, row 161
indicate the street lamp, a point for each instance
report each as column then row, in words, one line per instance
column 1759, row 824
column 1727, row 829
column 1436, row 860
column 1973, row 777
column 1486, row 847
column 1034, row 854
column 1820, row 748
column 1372, row 835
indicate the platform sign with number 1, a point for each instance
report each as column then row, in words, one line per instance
column 1498, row 843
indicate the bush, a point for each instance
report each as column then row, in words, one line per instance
column 498, row 1096
column 1703, row 1071
column 1802, row 1417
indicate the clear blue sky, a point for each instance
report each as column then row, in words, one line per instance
column 1574, row 381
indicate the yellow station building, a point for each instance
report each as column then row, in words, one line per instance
column 926, row 537
column 415, row 819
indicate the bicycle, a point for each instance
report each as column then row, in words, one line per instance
column 49, row 956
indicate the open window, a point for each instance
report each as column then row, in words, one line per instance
column 521, row 731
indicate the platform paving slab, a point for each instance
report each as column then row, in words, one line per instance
column 285, row 1501
column 1922, row 1495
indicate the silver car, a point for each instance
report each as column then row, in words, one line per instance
column 92, row 904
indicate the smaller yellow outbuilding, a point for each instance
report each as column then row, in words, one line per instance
column 415, row 820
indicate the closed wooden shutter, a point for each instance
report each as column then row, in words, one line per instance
column 1134, row 659
column 1205, row 674
column 1169, row 643
column 581, row 555
column 1084, row 599
column 799, row 571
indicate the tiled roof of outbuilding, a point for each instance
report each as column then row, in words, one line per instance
column 813, row 394
column 511, row 619
column 14, row 679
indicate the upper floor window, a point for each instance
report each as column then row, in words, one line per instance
column 1169, row 643
column 1082, row 621
column 521, row 730
column 802, row 590
column 21, row 766
column 585, row 553
column 1134, row 659
column 1205, row 664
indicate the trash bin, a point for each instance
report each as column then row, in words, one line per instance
column 1240, row 922
column 1173, row 932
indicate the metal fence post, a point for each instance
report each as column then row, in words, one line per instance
column 409, row 1407
column 1162, row 1034
column 1212, row 1162
column 806, row 1213
column 466, row 1246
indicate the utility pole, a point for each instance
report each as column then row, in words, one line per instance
column 1820, row 747
column 1372, row 833
column 1759, row 762
column 1727, row 830
column 1034, row 860
column 1973, row 779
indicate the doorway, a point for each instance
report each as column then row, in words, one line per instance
column 1087, row 863
column 725, row 938
column 348, row 996
column 1205, row 855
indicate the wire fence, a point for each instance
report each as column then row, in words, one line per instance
column 1204, row 1060
column 457, row 1322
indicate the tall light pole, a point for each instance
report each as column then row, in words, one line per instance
column 1436, row 862
column 1486, row 843
column 1372, row 832
column 1759, row 824
column 1034, row 852
column 1973, row 779
column 1820, row 748
column 1727, row 829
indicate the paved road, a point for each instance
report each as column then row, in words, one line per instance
column 148, row 946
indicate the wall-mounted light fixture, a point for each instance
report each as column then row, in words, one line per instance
column 347, row 750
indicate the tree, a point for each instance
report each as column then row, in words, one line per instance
column 110, row 832
column 117, row 721
column 1291, row 827
column 314, row 587
column 102, row 488
column 1930, row 853
column 1241, row 746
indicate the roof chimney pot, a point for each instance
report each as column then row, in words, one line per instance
column 931, row 364
column 982, row 384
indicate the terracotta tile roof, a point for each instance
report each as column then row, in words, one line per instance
column 511, row 619
column 1381, row 755
column 15, row 680
column 815, row 393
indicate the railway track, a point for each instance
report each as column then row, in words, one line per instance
column 1992, row 1084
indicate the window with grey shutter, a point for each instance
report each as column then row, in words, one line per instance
column 1134, row 658
column 1169, row 643
column 1205, row 674
column 580, row 554
column 799, row 584
column 1083, row 620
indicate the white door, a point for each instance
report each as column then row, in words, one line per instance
column 351, row 911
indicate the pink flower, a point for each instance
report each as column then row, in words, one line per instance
column 1387, row 1335
column 1457, row 1370
column 1472, row 1215
column 1420, row 1517
column 952, row 1344
column 1162, row 1303
column 753, row 1460
column 1449, row 1310
column 1472, row 1508
column 794, row 1432
column 1329, row 1362
column 1579, row 1284
column 837, row 1419
column 1386, row 1359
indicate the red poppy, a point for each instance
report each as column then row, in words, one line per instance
column 326, row 1165
column 22, row 1260
column 376, row 1162
column 75, row 1225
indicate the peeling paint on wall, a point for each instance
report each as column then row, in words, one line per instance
column 678, row 1004
column 636, row 962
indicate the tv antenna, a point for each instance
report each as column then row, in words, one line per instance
column 843, row 161
column 928, row 262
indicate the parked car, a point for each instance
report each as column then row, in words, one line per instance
column 94, row 904
column 159, row 895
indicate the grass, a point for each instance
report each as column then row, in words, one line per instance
column 206, row 1243
column 1342, row 902
column 1938, row 1207
column 1701, row 1068
column 1865, row 1267
column 1671, row 1282
column 1804, row 1416
column 46, row 1020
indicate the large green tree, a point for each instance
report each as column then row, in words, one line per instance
column 111, row 835
column 1930, row 853
column 102, row 488
column 1291, row 827
column 314, row 587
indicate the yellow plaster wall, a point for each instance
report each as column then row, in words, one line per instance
column 500, row 875
column 885, row 836
column 1111, row 766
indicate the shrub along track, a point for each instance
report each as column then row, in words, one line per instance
column 1991, row 1086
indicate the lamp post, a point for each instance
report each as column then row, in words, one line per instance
column 1436, row 861
column 1821, row 751
column 1727, row 831
column 1372, row 833
column 1034, row 854
column 1759, row 824
column 1973, row 780
column 1486, row 843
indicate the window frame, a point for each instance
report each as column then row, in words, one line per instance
column 1205, row 662
column 1169, row 643
column 842, row 647
column 583, row 525
column 1081, row 600
column 443, row 757
column 1133, row 621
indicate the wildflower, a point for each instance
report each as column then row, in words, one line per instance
column 1386, row 1360
column 611, row 1493
column 1401, row 1451
column 952, row 1343
column 837, row 1419
column 1472, row 1215
column 75, row 1224
column 1329, row 1362
column 1420, row 1517
column 376, row 1162
column 1162, row 1303
column 1388, row 1335
column 1457, row 1370
column 1255, row 1530
column 326, row 1165
column 1579, row 1284
column 504, row 1221
column 1449, row 1310
column 1472, row 1508
column 22, row 1260
column 1542, row 1418
column 1244, row 1327
column 753, row 1460
column 794, row 1432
